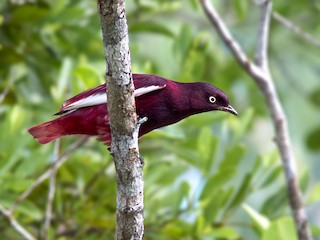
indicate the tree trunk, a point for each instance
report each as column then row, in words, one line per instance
column 123, row 120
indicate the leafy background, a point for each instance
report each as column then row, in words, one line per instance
column 211, row 176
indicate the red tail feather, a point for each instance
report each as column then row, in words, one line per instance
column 46, row 132
column 90, row 121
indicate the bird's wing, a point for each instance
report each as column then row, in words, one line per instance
column 87, row 98
column 96, row 96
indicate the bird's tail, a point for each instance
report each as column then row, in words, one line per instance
column 47, row 132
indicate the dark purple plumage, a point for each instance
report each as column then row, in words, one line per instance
column 162, row 101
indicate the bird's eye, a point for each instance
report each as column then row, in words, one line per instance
column 212, row 99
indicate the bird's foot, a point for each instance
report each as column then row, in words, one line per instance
column 109, row 149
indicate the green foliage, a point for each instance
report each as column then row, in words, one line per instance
column 211, row 176
column 282, row 228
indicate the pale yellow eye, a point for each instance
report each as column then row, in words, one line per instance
column 212, row 99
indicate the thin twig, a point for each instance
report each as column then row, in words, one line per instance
column 297, row 30
column 263, row 35
column 95, row 177
column 261, row 75
column 16, row 225
column 46, row 174
column 52, row 189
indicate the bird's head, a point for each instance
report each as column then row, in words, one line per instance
column 205, row 97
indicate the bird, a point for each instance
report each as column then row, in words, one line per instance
column 161, row 101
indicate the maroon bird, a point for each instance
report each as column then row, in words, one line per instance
column 162, row 101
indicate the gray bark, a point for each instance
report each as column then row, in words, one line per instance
column 123, row 120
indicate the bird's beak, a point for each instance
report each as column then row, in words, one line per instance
column 229, row 109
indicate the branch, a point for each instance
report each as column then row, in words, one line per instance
column 16, row 225
column 260, row 74
column 294, row 28
column 231, row 43
column 123, row 122
column 61, row 160
column 52, row 189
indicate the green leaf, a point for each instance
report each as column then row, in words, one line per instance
column 275, row 203
column 259, row 220
column 215, row 203
column 199, row 225
column 214, row 148
column 170, row 132
column 315, row 230
column 150, row 27
column 58, row 93
column 9, row 56
column 241, row 7
column 88, row 76
column 224, row 232
column 173, row 230
column 314, row 97
column 26, row 207
column 12, row 150
column 256, row 167
column 15, row 184
column 182, row 43
column 31, row 210
column 207, row 146
column 314, row 194
column 242, row 191
column 217, row 181
column 241, row 125
column 304, row 180
column 58, row 6
column 313, row 140
column 18, row 116
column 186, row 154
column 69, row 16
column 282, row 228
column 270, row 159
column 183, row 191
column 232, row 157
column 28, row 14
column 194, row 4
column 275, row 173
column 204, row 142
column 204, row 119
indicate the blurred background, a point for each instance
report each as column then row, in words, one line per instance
column 211, row 176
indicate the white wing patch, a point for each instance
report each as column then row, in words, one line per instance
column 100, row 98
column 91, row 100
column 141, row 91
